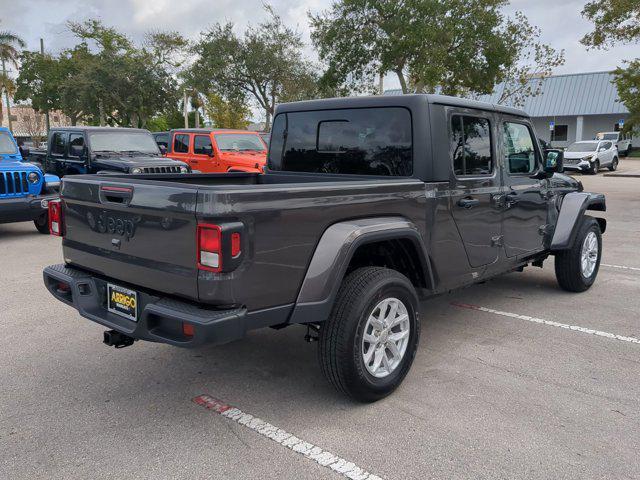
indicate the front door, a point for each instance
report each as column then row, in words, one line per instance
column 525, row 200
column 203, row 154
column 475, row 186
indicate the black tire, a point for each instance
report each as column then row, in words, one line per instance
column 614, row 164
column 340, row 347
column 595, row 167
column 568, row 262
column 628, row 151
column 42, row 223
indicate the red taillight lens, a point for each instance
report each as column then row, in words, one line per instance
column 209, row 247
column 55, row 218
column 235, row 244
column 187, row 330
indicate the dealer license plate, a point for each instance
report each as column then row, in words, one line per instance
column 122, row 301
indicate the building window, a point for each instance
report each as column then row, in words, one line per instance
column 560, row 133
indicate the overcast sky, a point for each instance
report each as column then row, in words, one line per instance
column 560, row 20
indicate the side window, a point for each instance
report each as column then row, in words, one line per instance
column 520, row 153
column 471, row 145
column 58, row 143
column 202, row 145
column 181, row 143
column 76, row 144
column 162, row 139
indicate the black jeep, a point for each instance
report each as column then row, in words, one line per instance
column 76, row 150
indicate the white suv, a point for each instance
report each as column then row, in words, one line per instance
column 621, row 140
column 589, row 156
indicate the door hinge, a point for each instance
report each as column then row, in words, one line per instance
column 497, row 241
column 545, row 229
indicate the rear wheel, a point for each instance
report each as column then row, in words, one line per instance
column 369, row 342
column 577, row 268
column 614, row 164
column 42, row 223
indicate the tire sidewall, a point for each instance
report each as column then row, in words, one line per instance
column 390, row 287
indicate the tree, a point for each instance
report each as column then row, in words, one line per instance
column 456, row 47
column 232, row 113
column 628, row 82
column 258, row 65
column 614, row 21
column 9, row 53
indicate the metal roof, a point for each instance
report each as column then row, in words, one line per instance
column 591, row 93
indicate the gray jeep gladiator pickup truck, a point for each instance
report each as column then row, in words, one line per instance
column 367, row 204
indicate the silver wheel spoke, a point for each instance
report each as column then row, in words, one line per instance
column 385, row 337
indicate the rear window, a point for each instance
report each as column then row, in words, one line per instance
column 367, row 141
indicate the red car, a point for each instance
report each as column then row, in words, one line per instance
column 218, row 150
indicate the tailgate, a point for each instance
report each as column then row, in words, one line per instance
column 141, row 233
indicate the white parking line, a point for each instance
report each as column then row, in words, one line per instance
column 622, row 267
column 575, row 328
column 317, row 454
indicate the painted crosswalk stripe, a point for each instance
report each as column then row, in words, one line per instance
column 306, row 449
column 551, row 323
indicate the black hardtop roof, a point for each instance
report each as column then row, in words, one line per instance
column 410, row 101
column 82, row 128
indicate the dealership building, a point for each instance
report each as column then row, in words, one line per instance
column 571, row 107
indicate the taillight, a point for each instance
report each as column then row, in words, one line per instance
column 55, row 218
column 236, row 248
column 209, row 247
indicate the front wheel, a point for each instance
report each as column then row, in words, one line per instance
column 369, row 342
column 595, row 167
column 577, row 268
column 614, row 164
column 42, row 224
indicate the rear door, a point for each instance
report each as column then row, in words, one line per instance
column 180, row 149
column 525, row 201
column 475, row 184
column 142, row 233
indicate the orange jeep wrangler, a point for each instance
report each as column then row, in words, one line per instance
column 218, row 150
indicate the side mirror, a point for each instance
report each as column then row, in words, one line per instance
column 163, row 149
column 554, row 160
column 25, row 152
column 76, row 150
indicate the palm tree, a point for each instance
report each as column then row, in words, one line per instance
column 9, row 53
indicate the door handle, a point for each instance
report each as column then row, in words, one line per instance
column 512, row 198
column 468, row 202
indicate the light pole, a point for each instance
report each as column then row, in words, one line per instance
column 6, row 94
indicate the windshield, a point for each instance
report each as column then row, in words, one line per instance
column 607, row 136
column 6, row 144
column 239, row 141
column 125, row 142
column 583, row 147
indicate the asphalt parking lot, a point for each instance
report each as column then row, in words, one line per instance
column 494, row 392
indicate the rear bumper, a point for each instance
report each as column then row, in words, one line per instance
column 160, row 319
column 22, row 209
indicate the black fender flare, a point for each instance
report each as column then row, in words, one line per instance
column 333, row 253
column 574, row 206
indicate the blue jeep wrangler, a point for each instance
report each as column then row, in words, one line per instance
column 24, row 190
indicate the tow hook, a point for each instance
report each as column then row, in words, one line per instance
column 116, row 339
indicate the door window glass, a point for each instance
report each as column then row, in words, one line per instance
column 471, row 145
column 75, row 140
column 520, row 153
column 181, row 144
column 202, row 145
column 58, row 143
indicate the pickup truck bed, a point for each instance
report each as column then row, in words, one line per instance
column 147, row 239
